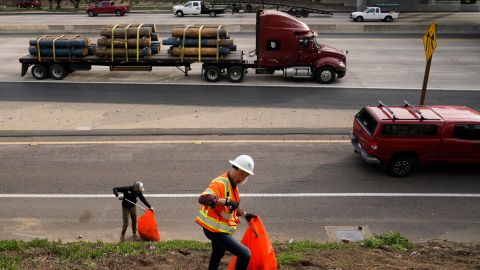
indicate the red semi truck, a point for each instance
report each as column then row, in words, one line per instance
column 283, row 43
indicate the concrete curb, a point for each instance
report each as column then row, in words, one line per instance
column 175, row 131
column 472, row 29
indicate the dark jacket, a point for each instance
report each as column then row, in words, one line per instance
column 131, row 195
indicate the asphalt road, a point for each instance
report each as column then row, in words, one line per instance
column 187, row 168
column 227, row 95
column 245, row 18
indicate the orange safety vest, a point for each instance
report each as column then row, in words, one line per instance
column 219, row 219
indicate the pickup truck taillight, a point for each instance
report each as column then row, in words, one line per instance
column 372, row 148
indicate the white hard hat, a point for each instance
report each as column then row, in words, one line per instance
column 139, row 185
column 244, row 163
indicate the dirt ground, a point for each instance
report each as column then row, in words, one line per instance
column 428, row 255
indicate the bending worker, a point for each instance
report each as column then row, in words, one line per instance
column 220, row 210
column 130, row 193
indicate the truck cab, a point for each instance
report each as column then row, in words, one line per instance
column 286, row 43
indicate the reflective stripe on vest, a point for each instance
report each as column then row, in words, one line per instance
column 214, row 220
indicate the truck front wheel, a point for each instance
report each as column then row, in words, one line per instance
column 235, row 74
column 212, row 73
column 118, row 13
column 325, row 75
column 91, row 13
column 39, row 72
column 179, row 13
column 359, row 19
column 58, row 72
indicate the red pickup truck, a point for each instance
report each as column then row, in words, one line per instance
column 107, row 7
column 402, row 137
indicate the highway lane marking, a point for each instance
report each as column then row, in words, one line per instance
column 242, row 85
column 251, row 195
column 176, row 142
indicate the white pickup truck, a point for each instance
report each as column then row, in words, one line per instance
column 196, row 8
column 374, row 13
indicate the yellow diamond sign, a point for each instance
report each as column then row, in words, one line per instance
column 430, row 40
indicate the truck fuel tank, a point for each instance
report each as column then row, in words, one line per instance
column 297, row 72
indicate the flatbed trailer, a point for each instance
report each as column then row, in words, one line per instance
column 294, row 10
column 60, row 67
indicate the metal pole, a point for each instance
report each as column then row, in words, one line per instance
column 425, row 81
column 144, row 209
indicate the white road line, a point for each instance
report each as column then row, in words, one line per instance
column 240, row 85
column 32, row 143
column 252, row 195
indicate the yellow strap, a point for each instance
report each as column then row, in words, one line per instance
column 39, row 55
column 218, row 40
column 200, row 44
column 138, row 40
column 182, row 51
column 113, row 38
column 55, row 40
column 126, row 42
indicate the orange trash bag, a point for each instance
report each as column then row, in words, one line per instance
column 147, row 226
column 256, row 239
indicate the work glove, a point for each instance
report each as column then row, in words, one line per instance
column 249, row 216
column 231, row 205
column 120, row 197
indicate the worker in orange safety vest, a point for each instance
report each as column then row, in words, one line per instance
column 220, row 210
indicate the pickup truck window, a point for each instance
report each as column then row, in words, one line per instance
column 195, row 4
column 372, row 10
column 367, row 121
column 409, row 130
column 466, row 132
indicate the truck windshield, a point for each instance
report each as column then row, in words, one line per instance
column 317, row 43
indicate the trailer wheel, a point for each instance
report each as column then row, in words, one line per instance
column 325, row 75
column 39, row 72
column 298, row 13
column 304, row 13
column 212, row 73
column 213, row 14
column 235, row 74
column 179, row 13
column 58, row 72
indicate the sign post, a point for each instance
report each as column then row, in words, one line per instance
column 429, row 44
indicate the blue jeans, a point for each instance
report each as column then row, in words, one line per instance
column 222, row 242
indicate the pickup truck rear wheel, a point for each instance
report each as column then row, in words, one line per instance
column 325, row 75
column 304, row 13
column 212, row 73
column 58, row 72
column 179, row 13
column 91, row 13
column 388, row 19
column 359, row 19
column 118, row 13
column 39, row 72
column 235, row 74
column 401, row 166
